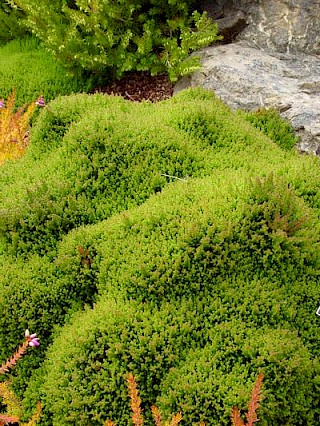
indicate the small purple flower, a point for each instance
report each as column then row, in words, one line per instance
column 40, row 102
column 2, row 104
column 32, row 338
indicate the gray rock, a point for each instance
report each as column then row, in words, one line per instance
column 248, row 78
column 288, row 26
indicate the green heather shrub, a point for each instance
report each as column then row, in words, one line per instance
column 84, row 377
column 273, row 125
column 11, row 23
column 102, row 168
column 180, row 362
column 262, row 304
column 271, row 234
column 39, row 294
column 195, row 251
column 213, row 379
column 30, row 71
column 106, row 39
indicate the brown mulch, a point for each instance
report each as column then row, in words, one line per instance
column 139, row 86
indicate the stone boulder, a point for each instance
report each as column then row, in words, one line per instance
column 276, row 25
column 270, row 57
column 248, row 78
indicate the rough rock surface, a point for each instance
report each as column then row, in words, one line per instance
column 270, row 58
column 248, row 78
column 276, row 25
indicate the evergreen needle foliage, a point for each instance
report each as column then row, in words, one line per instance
column 192, row 284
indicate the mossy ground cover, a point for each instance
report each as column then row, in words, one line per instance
column 27, row 69
column 171, row 240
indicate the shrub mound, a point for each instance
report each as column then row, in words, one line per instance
column 192, row 241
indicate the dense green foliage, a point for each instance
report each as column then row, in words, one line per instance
column 11, row 21
column 30, row 71
column 107, row 38
column 270, row 123
column 172, row 240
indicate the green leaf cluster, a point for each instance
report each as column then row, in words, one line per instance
column 12, row 21
column 273, row 125
column 106, row 39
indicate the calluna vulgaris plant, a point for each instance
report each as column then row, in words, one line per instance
column 137, row 418
column 14, row 127
column 8, row 397
column 251, row 415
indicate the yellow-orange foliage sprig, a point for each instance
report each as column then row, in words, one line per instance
column 156, row 415
column 135, row 400
column 14, row 128
column 5, row 367
column 251, row 415
column 10, row 400
column 35, row 417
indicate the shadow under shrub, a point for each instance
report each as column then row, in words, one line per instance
column 11, row 23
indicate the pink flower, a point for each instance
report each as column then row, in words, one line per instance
column 2, row 104
column 40, row 102
column 32, row 339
